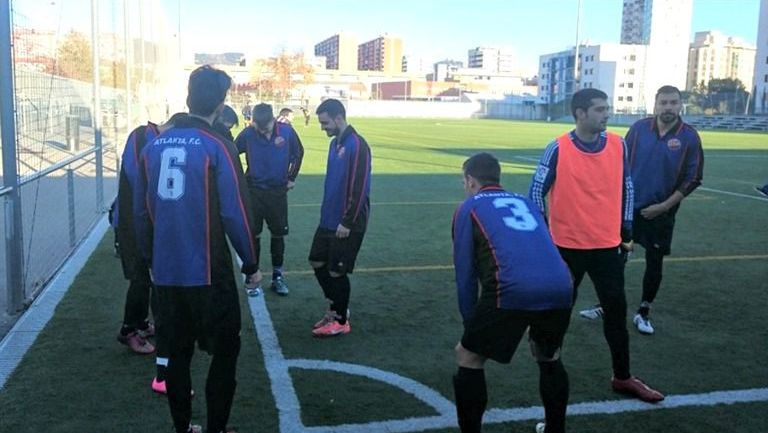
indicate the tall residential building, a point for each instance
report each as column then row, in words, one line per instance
column 761, row 62
column 664, row 27
column 340, row 52
column 384, row 53
column 491, row 59
column 416, row 65
column 714, row 55
column 616, row 69
column 445, row 68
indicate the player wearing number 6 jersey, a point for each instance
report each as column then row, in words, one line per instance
column 500, row 240
column 586, row 174
column 192, row 196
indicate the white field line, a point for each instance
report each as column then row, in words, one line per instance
column 289, row 407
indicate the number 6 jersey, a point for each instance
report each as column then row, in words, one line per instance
column 500, row 240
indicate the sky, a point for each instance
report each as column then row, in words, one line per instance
column 439, row 29
column 431, row 29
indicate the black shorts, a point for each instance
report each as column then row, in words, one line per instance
column 338, row 253
column 208, row 315
column 495, row 333
column 270, row 205
column 656, row 233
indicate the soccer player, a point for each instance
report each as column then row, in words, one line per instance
column 274, row 154
column 586, row 174
column 225, row 122
column 285, row 116
column 343, row 216
column 305, row 112
column 667, row 163
column 136, row 328
column 501, row 244
column 191, row 196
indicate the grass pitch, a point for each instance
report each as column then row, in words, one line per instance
column 709, row 315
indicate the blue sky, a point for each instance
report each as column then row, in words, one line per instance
column 433, row 29
column 441, row 29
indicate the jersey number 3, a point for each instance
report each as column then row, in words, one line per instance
column 170, row 186
column 521, row 218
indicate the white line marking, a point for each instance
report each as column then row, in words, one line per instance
column 289, row 407
column 735, row 194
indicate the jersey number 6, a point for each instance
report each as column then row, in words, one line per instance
column 170, row 185
column 521, row 218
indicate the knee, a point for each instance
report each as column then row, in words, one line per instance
column 337, row 274
column 316, row 265
column 468, row 359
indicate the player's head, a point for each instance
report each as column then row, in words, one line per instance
column 228, row 117
column 206, row 90
column 668, row 104
column 285, row 116
column 263, row 118
column 286, row 112
column 332, row 117
column 480, row 170
column 590, row 109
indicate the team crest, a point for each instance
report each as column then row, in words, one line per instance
column 340, row 152
column 674, row 144
column 279, row 141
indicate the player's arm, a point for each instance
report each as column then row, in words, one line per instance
column 241, row 141
column 234, row 206
column 544, row 176
column 694, row 167
column 627, row 202
column 464, row 261
column 360, row 168
column 295, row 156
column 141, row 215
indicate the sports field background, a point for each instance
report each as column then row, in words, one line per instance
column 709, row 316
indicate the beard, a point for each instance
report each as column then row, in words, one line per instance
column 668, row 117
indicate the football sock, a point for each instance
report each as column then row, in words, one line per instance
column 162, row 367
column 554, row 390
column 645, row 309
column 324, row 279
column 471, row 398
column 341, row 289
column 277, row 271
column 277, row 250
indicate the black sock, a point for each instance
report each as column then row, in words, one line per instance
column 125, row 330
column 324, row 279
column 554, row 390
column 161, row 370
column 277, row 250
column 471, row 398
column 342, row 289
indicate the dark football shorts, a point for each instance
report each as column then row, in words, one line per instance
column 270, row 205
column 338, row 253
column 656, row 233
column 495, row 333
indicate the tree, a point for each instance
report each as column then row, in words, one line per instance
column 75, row 59
column 278, row 76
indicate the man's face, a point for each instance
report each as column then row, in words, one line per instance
column 266, row 130
column 327, row 124
column 596, row 117
column 668, row 106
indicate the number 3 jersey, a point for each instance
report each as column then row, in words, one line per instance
column 191, row 193
column 500, row 240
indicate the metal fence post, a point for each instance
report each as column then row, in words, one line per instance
column 73, row 132
column 14, row 247
column 71, row 206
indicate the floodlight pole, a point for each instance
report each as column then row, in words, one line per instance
column 97, row 138
column 14, row 247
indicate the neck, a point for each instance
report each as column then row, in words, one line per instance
column 663, row 126
column 586, row 135
column 208, row 119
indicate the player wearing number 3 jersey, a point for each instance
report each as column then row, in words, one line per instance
column 500, row 240
column 586, row 174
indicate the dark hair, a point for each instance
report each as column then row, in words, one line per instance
column 207, row 89
column 484, row 167
column 332, row 107
column 228, row 117
column 667, row 89
column 285, row 111
column 262, row 114
column 583, row 99
column 175, row 118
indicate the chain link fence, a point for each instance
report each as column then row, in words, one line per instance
column 70, row 116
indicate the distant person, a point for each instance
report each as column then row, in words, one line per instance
column 667, row 163
column 501, row 245
column 305, row 112
column 762, row 190
column 273, row 153
column 225, row 122
column 246, row 112
column 285, row 116
column 586, row 174
column 343, row 216
column 191, row 198
column 136, row 328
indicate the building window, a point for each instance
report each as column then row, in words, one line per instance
column 621, row 98
column 632, row 57
column 629, row 99
column 621, row 84
column 630, row 85
column 632, row 71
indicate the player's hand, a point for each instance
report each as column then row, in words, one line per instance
column 342, row 232
column 290, row 184
column 252, row 281
column 653, row 211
